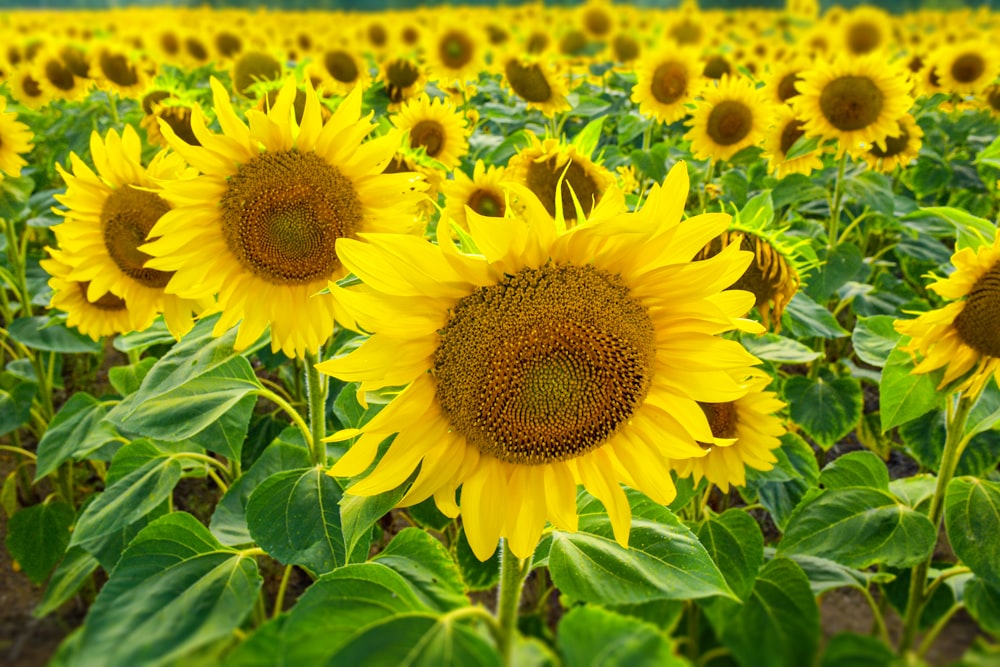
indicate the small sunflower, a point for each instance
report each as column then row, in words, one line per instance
column 176, row 113
column 340, row 69
column 106, row 316
column 558, row 357
column 727, row 118
column 865, row 30
column 25, row 87
column 967, row 67
column 404, row 77
column 15, row 141
column 56, row 77
column 990, row 99
column 900, row 148
column 780, row 80
column 537, row 81
column 744, row 432
column 253, row 66
column 258, row 226
column 786, row 130
column 454, row 53
column 665, row 82
column 109, row 215
column 482, row 194
column 962, row 336
column 854, row 100
column 114, row 69
column 435, row 126
column 557, row 172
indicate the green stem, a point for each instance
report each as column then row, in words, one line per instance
column 279, row 600
column 693, row 630
column 512, row 574
column 316, row 395
column 290, row 411
column 18, row 450
column 703, row 192
column 883, row 631
column 709, row 656
column 953, row 446
column 838, row 196
column 933, row 633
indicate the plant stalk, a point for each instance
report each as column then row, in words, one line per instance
column 316, row 396
column 512, row 573
column 838, row 196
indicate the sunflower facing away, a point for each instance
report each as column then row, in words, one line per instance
column 727, row 118
column 962, row 336
column 109, row 215
column 258, row 226
column 558, row 357
column 536, row 80
column 779, row 140
column 15, row 141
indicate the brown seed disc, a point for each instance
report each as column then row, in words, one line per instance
column 625, row 48
column 430, row 135
column 488, row 203
column 729, row 122
column 543, row 178
column 792, row 132
column 716, row 67
column 670, row 81
column 228, row 44
column 107, row 301
column 863, row 38
column 117, row 69
column 968, row 67
column 254, row 66
column 786, row 87
column 126, row 218
column 851, row 102
column 528, row 82
column 455, row 49
column 893, row 145
column 597, row 22
column 341, row 66
column 978, row 324
column 59, row 75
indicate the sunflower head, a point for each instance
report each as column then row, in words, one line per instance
column 728, row 117
column 783, row 141
column 483, row 194
column 665, row 82
column 252, row 67
column 899, row 150
column 537, row 81
column 965, row 67
column 107, row 315
column 15, row 142
column 435, row 126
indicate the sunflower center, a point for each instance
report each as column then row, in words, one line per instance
column 284, row 211
column 543, row 179
column 851, row 102
column 721, row 419
column 117, row 69
column 978, row 324
column 75, row 60
column 686, row 32
column 786, row 87
column 486, row 202
column 546, row 365
column 792, row 132
column 993, row 98
column 30, row 86
column 528, row 81
column 228, row 44
column 400, row 75
column 670, row 80
column 455, row 49
column 341, row 66
column 378, row 35
column 254, row 66
column 893, row 145
column 430, row 135
column 107, row 301
column 572, row 43
column 59, row 75
column 729, row 122
column 126, row 218
column 717, row 67
column 863, row 38
column 536, row 42
column 597, row 22
column 968, row 67
column 625, row 48
column 179, row 120
column 196, row 49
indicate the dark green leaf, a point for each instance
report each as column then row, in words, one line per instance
column 874, row 338
column 972, row 518
column 349, row 412
column 225, row 435
column 595, row 637
column 781, row 497
column 983, row 602
column 825, row 575
column 986, row 412
column 794, row 189
column 850, row 650
column 664, row 614
column 359, row 513
column 71, row 573
column 970, row 231
column 48, row 335
column 157, row 334
column 427, row 567
column 924, row 439
column 477, row 575
column 15, row 404
column 826, row 407
column 126, row 379
column 915, row 491
column 734, row 541
column 902, row 395
column 843, row 263
column 855, row 469
column 37, row 537
column 805, row 318
column 77, row 430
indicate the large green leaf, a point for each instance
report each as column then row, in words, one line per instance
column 824, row 574
column 858, row 527
column 480, row 575
column 127, row 379
column 50, row 335
column 37, row 537
column 874, row 338
column 427, row 566
column 734, row 541
column 925, row 436
column 78, row 429
column 778, row 626
column 16, row 396
column 826, row 407
column 782, row 496
column 983, row 602
column 75, row 568
column 805, row 318
column 843, row 263
column 773, row 347
column 855, row 469
column 294, row 516
column 972, row 519
column 850, row 650
column 595, row 637
column 358, row 514
column 902, row 395
column 175, row 589
column 664, row 561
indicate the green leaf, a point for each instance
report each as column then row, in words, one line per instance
column 174, row 590
column 842, row 264
column 157, row 334
column 803, row 146
column 794, row 189
column 804, row 318
column 734, row 541
column 970, row 231
column 858, row 527
column 757, row 212
column 49, row 335
column 777, row 348
column 295, row 517
column 72, row 572
column 781, row 497
column 15, row 404
column 902, row 395
column 586, row 141
column 225, row 435
column 595, row 637
column 427, row 567
column 349, row 412
column 847, row 649
column 924, row 438
column 871, row 189
column 862, row 469
column 37, row 537
column 127, row 500
column 127, row 379
column 664, row 561
column 986, row 412
column 983, row 602
column 826, row 407
column 229, row 521
column 972, row 519
column 915, row 491
column 477, row 575
column 77, row 430
column 824, row 574
column 359, row 513
column 779, row 625
column 874, row 338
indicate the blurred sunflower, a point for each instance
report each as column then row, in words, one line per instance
column 258, row 227
column 108, row 216
column 436, row 126
column 15, row 141
column 559, row 357
column 537, row 81
column 175, row 112
column 779, row 140
column 454, row 53
column 113, row 69
column 482, row 193
column 404, row 77
column 598, row 18
column 56, row 78
column 251, row 67
column 25, row 87
column 962, row 336
column 780, row 80
column 900, row 148
column 665, row 82
column 865, row 29
column 744, row 431
column 340, row 70
column 967, row 67
column 854, row 100
column 727, row 118
column 106, row 316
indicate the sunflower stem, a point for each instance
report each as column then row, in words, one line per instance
column 953, row 446
column 512, row 573
column 703, row 192
column 316, row 395
column 838, row 195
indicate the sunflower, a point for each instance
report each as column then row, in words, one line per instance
column 900, row 148
column 865, row 30
column 251, row 67
column 114, row 69
column 962, row 337
column 550, row 167
column 598, row 18
column 106, row 316
column 786, row 130
column 537, row 81
column 15, row 141
column 482, row 194
column 854, row 100
column 340, row 69
column 258, row 226
column 57, row 79
column 780, row 80
column 25, row 87
column 109, row 215
column 727, row 118
column 173, row 111
column 967, row 67
column 558, row 357
column 666, row 82
column 454, row 53
column 990, row 99
column 744, row 432
column 435, row 126
column 404, row 77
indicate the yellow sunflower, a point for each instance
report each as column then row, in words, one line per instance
column 253, row 66
column 854, row 100
column 559, row 175
column 728, row 117
column 404, row 77
column 57, row 79
column 744, row 431
column 25, row 87
column 258, row 226
column 15, row 141
column 340, row 69
column 786, row 130
column 173, row 111
column 865, row 30
column 780, row 80
column 967, row 67
column 114, row 69
column 962, row 337
column 454, row 52
column 665, row 82
column 482, row 194
column 109, row 215
column 536, row 80
column 436, row 126
column 900, row 148
column 106, row 316
column 558, row 357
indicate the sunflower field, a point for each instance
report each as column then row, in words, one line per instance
column 506, row 336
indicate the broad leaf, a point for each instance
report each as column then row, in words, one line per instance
column 127, row 379
column 734, row 541
column 595, row 637
column 874, row 338
column 925, row 436
column 78, row 429
column 71, row 573
column 843, row 263
column 50, row 335
column 805, row 318
column 427, row 567
column 37, row 537
column 358, row 514
column 773, row 347
column 902, row 395
column 850, row 650
column 983, row 602
column 781, row 497
column 855, row 469
column 826, row 407
column 972, row 519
